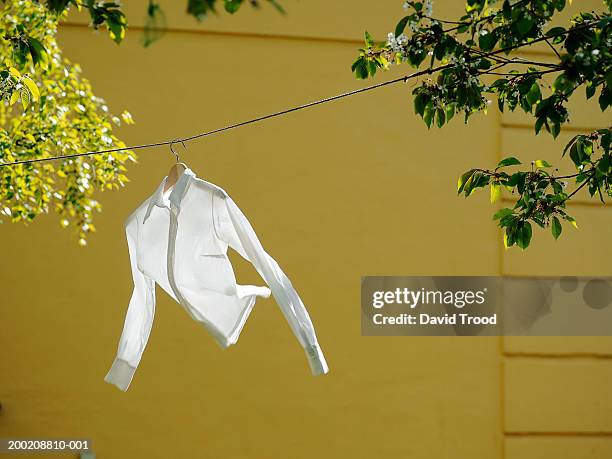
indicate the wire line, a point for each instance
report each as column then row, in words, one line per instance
column 299, row 107
column 231, row 126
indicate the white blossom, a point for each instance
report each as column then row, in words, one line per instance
column 428, row 7
column 396, row 43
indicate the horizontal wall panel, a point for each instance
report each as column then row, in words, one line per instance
column 595, row 346
column 558, row 448
column 313, row 18
column 558, row 395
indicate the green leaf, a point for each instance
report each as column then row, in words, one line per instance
column 14, row 97
column 38, row 52
column 25, row 98
column 562, row 84
column 449, row 111
column 524, row 25
column 14, row 72
column 360, row 68
column 524, row 234
column 510, row 234
column 371, row 66
column 555, row 130
column 534, row 94
column 369, row 41
column 500, row 103
column 428, row 114
column 116, row 24
column 231, row 6
column 477, row 180
column 34, row 93
column 543, row 106
column 487, row 41
column 507, row 10
column 510, row 161
column 558, row 34
column 604, row 164
column 576, row 154
column 57, row 6
column 570, row 219
column 540, row 163
column 518, row 180
column 401, row 25
column 590, row 90
column 555, row 31
column 441, row 117
column 569, row 144
column 556, row 228
column 463, row 179
column 502, row 213
column 420, row 101
column 200, row 8
column 495, row 192
column 605, row 98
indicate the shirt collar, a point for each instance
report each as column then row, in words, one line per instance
column 178, row 190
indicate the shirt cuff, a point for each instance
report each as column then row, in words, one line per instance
column 120, row 374
column 317, row 362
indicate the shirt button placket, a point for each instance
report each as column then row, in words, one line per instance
column 171, row 249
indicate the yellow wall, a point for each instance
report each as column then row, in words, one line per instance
column 355, row 187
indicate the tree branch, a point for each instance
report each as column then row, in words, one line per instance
column 586, row 181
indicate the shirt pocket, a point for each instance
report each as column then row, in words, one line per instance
column 213, row 247
column 215, row 271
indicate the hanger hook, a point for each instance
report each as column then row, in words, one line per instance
column 172, row 149
column 172, row 142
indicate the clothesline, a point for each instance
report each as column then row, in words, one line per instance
column 231, row 126
column 300, row 107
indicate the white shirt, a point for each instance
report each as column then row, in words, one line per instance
column 179, row 239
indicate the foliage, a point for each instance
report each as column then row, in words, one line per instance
column 468, row 54
column 107, row 13
column 58, row 115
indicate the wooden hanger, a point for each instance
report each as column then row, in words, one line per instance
column 176, row 170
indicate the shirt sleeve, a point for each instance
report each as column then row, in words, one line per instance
column 138, row 320
column 233, row 227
